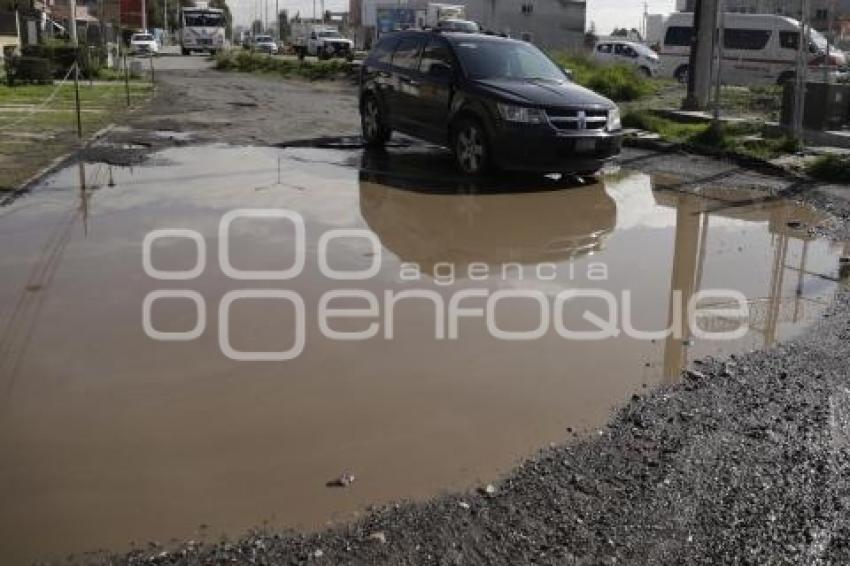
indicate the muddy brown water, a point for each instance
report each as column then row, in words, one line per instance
column 109, row 437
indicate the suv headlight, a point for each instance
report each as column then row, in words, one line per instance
column 614, row 122
column 521, row 114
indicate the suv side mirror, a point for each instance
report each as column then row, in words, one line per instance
column 567, row 73
column 440, row 71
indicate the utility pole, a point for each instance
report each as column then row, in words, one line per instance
column 800, row 75
column 702, row 52
column 165, row 21
column 827, row 75
column 277, row 18
column 72, row 28
column 144, row 15
column 718, row 67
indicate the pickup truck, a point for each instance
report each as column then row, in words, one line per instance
column 320, row 40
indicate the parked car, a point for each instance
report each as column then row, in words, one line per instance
column 493, row 101
column 628, row 53
column 143, row 44
column 757, row 48
column 264, row 44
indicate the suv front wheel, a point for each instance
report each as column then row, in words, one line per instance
column 375, row 131
column 471, row 148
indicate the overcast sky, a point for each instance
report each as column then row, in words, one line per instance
column 607, row 14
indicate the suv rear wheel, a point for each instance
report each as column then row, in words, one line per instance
column 375, row 131
column 471, row 148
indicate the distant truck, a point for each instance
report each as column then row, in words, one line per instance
column 320, row 40
column 439, row 12
column 201, row 29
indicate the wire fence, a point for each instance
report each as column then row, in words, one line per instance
column 39, row 122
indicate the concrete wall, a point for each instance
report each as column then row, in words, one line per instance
column 550, row 24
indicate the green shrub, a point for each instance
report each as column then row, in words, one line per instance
column 247, row 62
column 620, row 83
column 29, row 70
column 63, row 55
column 831, row 168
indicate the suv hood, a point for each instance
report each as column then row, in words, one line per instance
column 543, row 93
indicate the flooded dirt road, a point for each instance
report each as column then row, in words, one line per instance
column 110, row 436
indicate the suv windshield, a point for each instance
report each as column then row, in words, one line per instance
column 329, row 34
column 142, row 38
column 489, row 59
column 264, row 39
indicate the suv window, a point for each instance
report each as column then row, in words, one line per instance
column 746, row 39
column 406, row 55
column 382, row 53
column 604, row 48
column 435, row 52
column 679, row 36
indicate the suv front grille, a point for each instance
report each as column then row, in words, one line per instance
column 578, row 120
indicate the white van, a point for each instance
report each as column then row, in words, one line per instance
column 757, row 48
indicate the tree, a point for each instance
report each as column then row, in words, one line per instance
column 285, row 28
column 590, row 37
column 228, row 17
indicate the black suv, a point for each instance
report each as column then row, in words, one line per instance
column 493, row 101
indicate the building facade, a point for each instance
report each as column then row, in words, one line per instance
column 549, row 24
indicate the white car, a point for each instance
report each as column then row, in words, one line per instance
column 143, row 44
column 265, row 44
column 628, row 53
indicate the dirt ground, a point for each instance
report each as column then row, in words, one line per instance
column 745, row 461
column 241, row 108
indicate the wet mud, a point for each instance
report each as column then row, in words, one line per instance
column 112, row 436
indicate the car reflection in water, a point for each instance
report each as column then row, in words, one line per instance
column 434, row 217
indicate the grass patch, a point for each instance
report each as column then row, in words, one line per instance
column 620, row 83
column 90, row 95
column 736, row 138
column 33, row 135
column 757, row 100
column 247, row 62
column 667, row 129
column 830, row 168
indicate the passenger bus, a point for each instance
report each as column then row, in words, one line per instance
column 201, row 29
column 757, row 48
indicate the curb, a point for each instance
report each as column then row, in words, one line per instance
column 743, row 161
